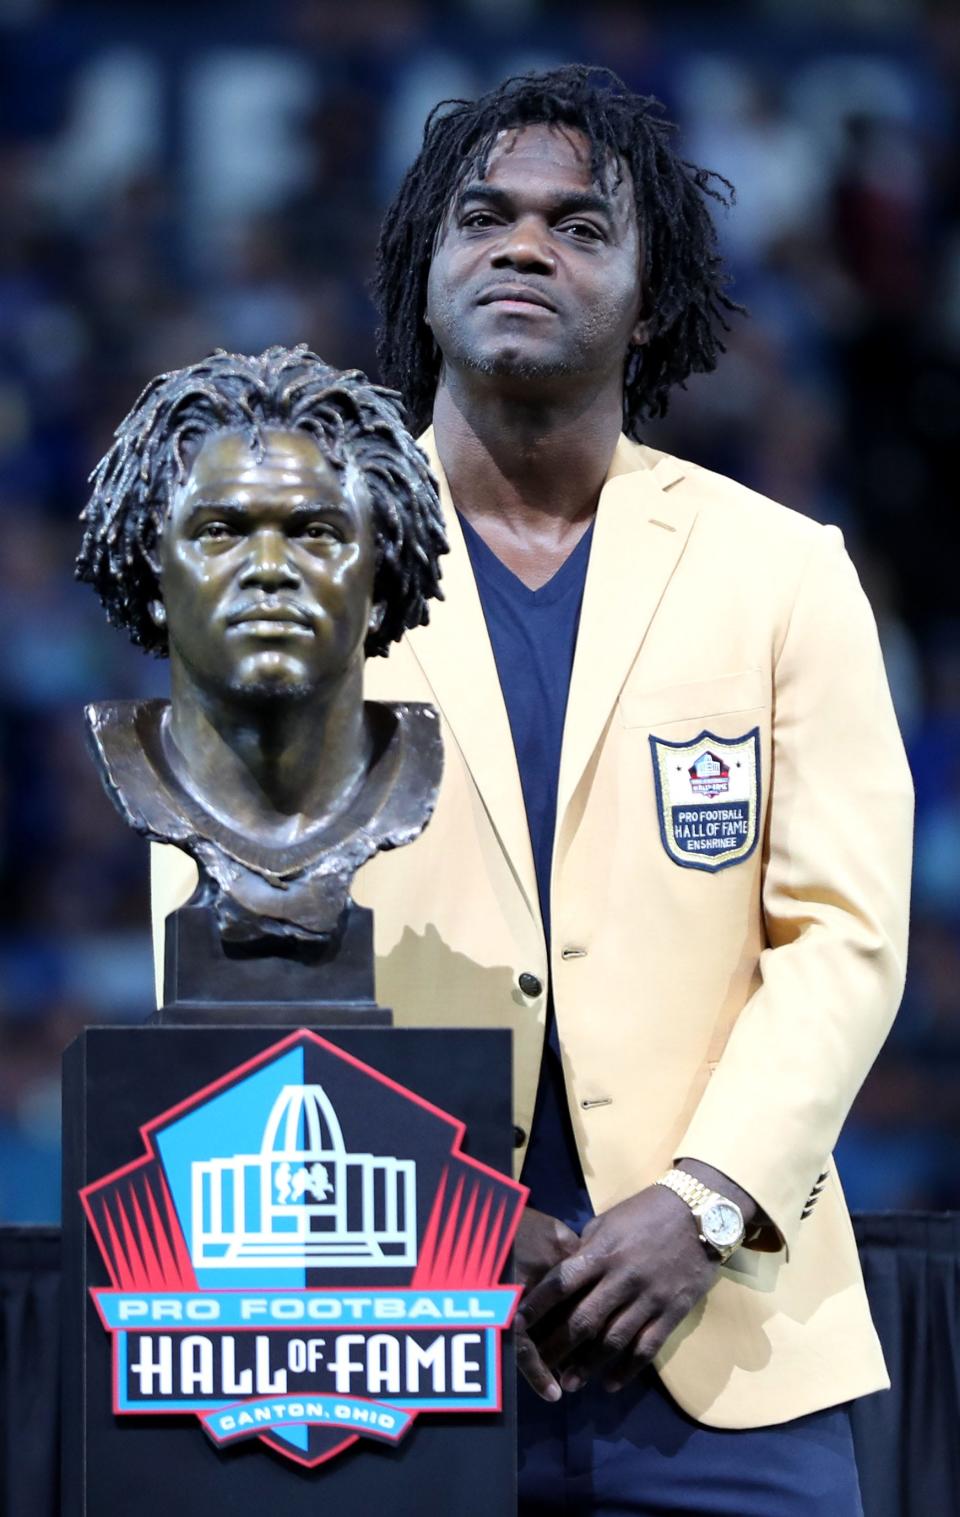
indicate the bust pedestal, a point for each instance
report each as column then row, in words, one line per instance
column 329, row 984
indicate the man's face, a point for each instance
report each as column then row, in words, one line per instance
column 537, row 269
column 266, row 569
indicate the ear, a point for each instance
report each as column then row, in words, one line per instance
column 642, row 332
column 158, row 612
column 375, row 620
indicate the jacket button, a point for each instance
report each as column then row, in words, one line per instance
column 519, row 1137
column 530, row 985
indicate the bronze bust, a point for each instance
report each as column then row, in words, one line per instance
column 267, row 523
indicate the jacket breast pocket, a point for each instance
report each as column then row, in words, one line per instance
column 700, row 700
column 707, row 744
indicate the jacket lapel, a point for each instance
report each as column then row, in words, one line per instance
column 640, row 533
column 639, row 536
column 454, row 652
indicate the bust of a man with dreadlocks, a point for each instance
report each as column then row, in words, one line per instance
column 266, row 523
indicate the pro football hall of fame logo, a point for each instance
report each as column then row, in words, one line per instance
column 303, row 1255
column 708, row 798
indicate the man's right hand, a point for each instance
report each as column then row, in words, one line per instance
column 541, row 1243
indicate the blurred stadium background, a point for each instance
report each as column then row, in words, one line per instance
column 175, row 177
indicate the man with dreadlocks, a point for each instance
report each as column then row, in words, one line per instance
column 671, row 847
column 266, row 523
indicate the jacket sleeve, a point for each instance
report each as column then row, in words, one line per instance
column 836, row 879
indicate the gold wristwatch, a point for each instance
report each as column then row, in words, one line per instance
column 719, row 1219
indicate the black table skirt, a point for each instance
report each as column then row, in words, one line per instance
column 908, row 1439
column 30, row 1372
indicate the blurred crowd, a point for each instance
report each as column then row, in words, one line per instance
column 174, row 179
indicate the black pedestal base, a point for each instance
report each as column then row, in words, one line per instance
column 452, row 1465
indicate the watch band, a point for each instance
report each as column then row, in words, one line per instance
column 688, row 1188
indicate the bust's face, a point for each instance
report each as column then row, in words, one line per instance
column 267, row 569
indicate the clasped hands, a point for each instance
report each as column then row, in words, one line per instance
column 606, row 1302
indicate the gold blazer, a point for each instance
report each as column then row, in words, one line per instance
column 729, row 894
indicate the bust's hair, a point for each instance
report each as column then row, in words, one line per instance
column 356, row 424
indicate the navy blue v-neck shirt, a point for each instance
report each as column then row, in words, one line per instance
column 533, row 634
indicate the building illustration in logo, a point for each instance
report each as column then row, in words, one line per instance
column 303, row 1200
column 303, row 1255
column 709, row 775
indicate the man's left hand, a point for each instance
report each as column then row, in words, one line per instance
column 639, row 1269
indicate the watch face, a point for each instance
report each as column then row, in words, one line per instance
column 722, row 1224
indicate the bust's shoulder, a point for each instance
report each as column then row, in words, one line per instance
column 410, row 720
column 126, row 739
column 122, row 725
column 409, row 757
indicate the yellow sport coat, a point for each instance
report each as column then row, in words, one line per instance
column 725, row 1014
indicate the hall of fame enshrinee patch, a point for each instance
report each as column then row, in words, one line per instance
column 708, row 798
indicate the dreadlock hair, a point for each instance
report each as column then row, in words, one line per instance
column 359, row 429
column 682, row 274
